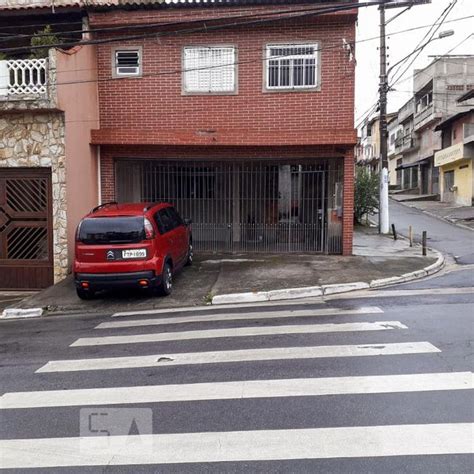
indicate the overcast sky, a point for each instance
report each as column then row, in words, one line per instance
column 367, row 55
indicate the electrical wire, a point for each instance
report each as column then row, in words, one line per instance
column 446, row 14
column 205, row 28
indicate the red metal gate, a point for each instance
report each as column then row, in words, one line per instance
column 26, row 259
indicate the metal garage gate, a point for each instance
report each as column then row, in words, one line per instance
column 245, row 207
column 25, row 228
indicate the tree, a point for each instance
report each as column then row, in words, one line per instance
column 45, row 38
column 366, row 193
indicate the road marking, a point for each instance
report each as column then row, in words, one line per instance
column 259, row 445
column 240, row 316
column 206, row 308
column 242, row 355
column 240, row 390
column 238, row 332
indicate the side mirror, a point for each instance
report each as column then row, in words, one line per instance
column 187, row 222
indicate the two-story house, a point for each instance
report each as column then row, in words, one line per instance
column 436, row 88
column 48, row 170
column 455, row 159
column 238, row 112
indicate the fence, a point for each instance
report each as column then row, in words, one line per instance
column 23, row 77
column 249, row 207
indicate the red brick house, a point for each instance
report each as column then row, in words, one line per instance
column 238, row 112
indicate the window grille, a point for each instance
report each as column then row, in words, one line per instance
column 292, row 66
column 127, row 62
column 209, row 69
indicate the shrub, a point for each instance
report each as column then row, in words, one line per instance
column 366, row 193
column 45, row 38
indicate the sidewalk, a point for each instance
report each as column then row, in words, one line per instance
column 459, row 215
column 375, row 257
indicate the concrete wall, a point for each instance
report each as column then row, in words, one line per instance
column 77, row 96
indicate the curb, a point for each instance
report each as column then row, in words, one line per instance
column 325, row 290
column 18, row 313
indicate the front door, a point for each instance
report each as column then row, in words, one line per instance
column 448, row 194
column 26, row 259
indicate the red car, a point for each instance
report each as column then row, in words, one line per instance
column 131, row 245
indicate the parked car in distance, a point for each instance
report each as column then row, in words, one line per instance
column 137, row 245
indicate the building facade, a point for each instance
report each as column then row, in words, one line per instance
column 436, row 89
column 48, row 170
column 247, row 129
column 455, row 159
column 238, row 114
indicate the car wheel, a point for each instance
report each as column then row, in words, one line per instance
column 84, row 294
column 189, row 260
column 166, row 285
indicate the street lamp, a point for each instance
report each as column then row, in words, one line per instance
column 384, row 221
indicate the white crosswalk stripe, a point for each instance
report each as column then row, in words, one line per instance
column 260, row 445
column 239, row 332
column 226, row 444
column 243, row 355
column 239, row 317
column 240, row 390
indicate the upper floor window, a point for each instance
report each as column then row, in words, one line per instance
column 127, row 62
column 209, row 69
column 292, row 66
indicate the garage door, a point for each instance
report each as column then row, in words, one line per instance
column 245, row 207
column 26, row 260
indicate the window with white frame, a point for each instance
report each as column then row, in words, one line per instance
column 209, row 69
column 292, row 66
column 127, row 62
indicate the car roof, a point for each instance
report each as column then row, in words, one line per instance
column 127, row 209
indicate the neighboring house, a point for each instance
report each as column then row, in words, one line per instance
column 367, row 152
column 48, row 171
column 436, row 89
column 368, row 149
column 247, row 129
column 455, row 159
column 395, row 135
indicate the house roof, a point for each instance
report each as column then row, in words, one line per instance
column 445, row 123
column 32, row 4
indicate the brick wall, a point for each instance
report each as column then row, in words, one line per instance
column 152, row 109
column 149, row 117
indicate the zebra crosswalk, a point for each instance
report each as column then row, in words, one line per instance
column 107, row 392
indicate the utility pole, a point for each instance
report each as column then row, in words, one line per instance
column 383, row 168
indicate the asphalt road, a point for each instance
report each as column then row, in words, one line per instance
column 379, row 381
column 444, row 236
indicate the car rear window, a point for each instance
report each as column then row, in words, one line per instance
column 112, row 230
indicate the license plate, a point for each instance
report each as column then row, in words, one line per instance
column 134, row 253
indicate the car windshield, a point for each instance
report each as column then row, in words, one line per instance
column 112, row 230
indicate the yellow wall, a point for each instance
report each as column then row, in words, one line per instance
column 463, row 179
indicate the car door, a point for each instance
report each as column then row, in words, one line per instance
column 181, row 234
column 166, row 228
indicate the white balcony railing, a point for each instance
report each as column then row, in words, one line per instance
column 23, row 77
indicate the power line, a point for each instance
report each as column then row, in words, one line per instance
column 444, row 15
column 363, row 116
column 188, row 22
column 433, row 26
column 319, row 12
